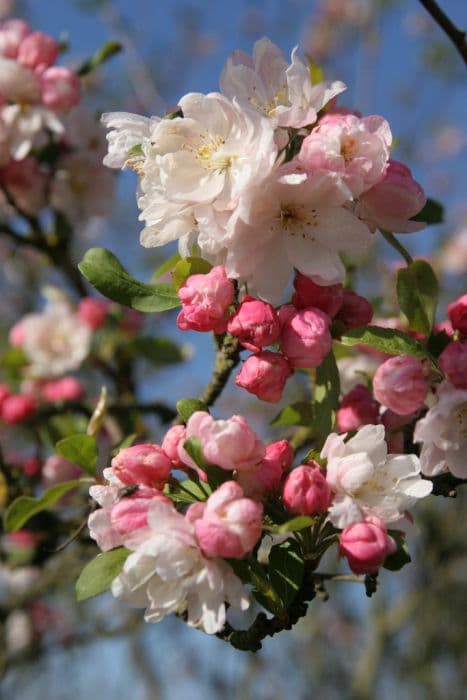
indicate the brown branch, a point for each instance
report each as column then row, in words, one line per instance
column 456, row 35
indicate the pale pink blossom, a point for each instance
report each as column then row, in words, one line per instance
column 400, row 384
column 60, row 88
column 457, row 312
column 227, row 524
column 126, row 137
column 306, row 491
column 173, row 439
column 305, row 337
column 230, row 444
column 453, row 362
column 18, row 83
column 442, row 433
column 367, row 481
column 28, row 126
column 366, row 545
column 167, row 573
column 205, row 301
column 142, row 464
column 265, row 375
column 255, row 324
column 307, row 293
column 12, row 33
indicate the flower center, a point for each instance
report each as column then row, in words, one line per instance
column 209, row 158
column 459, row 417
column 297, row 221
column 349, row 149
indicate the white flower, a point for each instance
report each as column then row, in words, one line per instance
column 168, row 574
column 443, row 433
column 55, row 340
column 281, row 226
column 18, row 83
column 27, row 126
column 280, row 91
column 127, row 132
column 369, row 482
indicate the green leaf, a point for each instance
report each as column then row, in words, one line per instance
column 388, row 340
column 195, row 494
column 401, row 556
column 216, row 475
column 298, row 413
column 417, row 293
column 250, row 571
column 166, row 266
column 80, row 449
column 109, row 49
column 294, row 525
column 186, row 407
column 286, row 570
column 189, row 266
column 25, row 507
column 126, row 442
column 432, row 213
column 316, row 72
column 97, row 576
column 326, row 398
column 102, row 269
column 159, row 351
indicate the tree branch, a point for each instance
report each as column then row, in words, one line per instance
column 456, row 35
column 227, row 358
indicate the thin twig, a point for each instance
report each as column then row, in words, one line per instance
column 456, row 35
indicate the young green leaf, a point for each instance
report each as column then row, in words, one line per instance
column 159, row 351
column 401, row 556
column 80, row 449
column 388, row 340
column 186, row 407
column 286, row 570
column 216, row 475
column 298, row 413
column 195, row 492
column 417, row 293
column 109, row 49
column 325, row 398
column 189, row 266
column 432, row 213
column 294, row 525
column 97, row 576
column 102, row 269
column 24, row 508
column 166, row 266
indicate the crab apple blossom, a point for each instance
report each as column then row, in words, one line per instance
column 227, row 524
column 453, row 362
column 442, row 433
column 205, row 301
column 142, row 464
column 56, row 469
column 306, row 491
column 392, row 202
column 283, row 92
column 255, row 324
column 230, row 444
column 93, row 312
column 12, row 34
column 400, row 384
column 357, row 408
column 17, row 408
column 174, row 437
column 38, row 51
column 355, row 310
column 366, row 545
column 26, row 183
column 305, row 337
column 167, row 573
column 60, row 88
column 64, row 389
column 367, row 481
column 265, row 375
column 267, row 477
column 457, row 312
column 29, row 127
column 126, row 131
column 18, row 83
column 308, row 293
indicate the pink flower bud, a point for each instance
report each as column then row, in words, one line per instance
column 308, row 293
column 400, row 384
column 174, row 438
column 93, row 312
column 64, row 389
column 355, row 310
column 392, row 202
column 265, row 375
column 457, row 312
column 142, row 464
column 5, row 392
column 60, row 88
column 12, row 33
column 31, row 466
column 228, row 525
column 305, row 337
column 230, row 444
column 357, row 408
column 205, row 301
column 17, row 408
column 57, row 469
column 38, row 51
column 453, row 362
column 306, row 490
column 17, row 335
column 266, row 478
column 366, row 545
column 131, row 513
column 255, row 324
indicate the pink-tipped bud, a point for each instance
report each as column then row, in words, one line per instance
column 5, row 392
column 205, row 301
column 142, row 464
column 453, row 362
column 357, row 408
column 12, row 33
column 308, row 293
column 17, row 336
column 174, row 438
column 265, row 375
column 457, row 312
column 228, row 524
column 306, row 491
column 17, row 408
column 305, row 337
column 355, row 310
column 93, row 312
column 131, row 513
column 400, row 384
column 255, row 324
column 60, row 88
column 38, row 51
column 64, row 389
column 366, row 545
